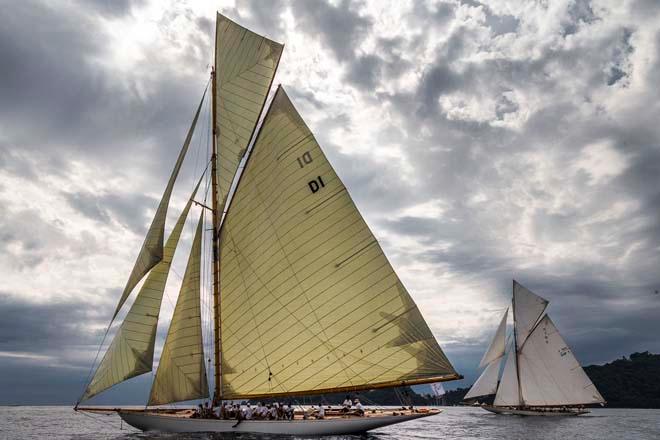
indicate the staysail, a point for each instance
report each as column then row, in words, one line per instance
column 550, row 374
column 527, row 309
column 131, row 352
column 245, row 64
column 310, row 303
column 181, row 373
column 152, row 248
column 508, row 393
column 486, row 384
column 497, row 346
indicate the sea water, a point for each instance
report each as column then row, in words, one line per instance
column 59, row 423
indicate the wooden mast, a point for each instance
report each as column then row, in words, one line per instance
column 515, row 343
column 217, row 395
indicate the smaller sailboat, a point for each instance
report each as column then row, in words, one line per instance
column 541, row 376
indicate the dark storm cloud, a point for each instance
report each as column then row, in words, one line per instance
column 14, row 162
column 462, row 158
column 33, row 327
column 340, row 27
column 130, row 210
column 46, row 69
column 261, row 17
column 61, row 97
column 365, row 71
column 112, row 8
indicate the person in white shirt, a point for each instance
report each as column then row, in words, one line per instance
column 288, row 411
column 272, row 413
column 257, row 412
column 359, row 409
column 320, row 413
column 346, row 406
column 248, row 412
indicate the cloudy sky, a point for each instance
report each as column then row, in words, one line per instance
column 481, row 142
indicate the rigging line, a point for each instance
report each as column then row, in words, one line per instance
column 88, row 380
column 98, row 419
column 199, row 147
column 206, row 281
column 202, row 289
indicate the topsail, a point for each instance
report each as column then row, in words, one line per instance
column 245, row 65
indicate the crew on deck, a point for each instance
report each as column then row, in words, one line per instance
column 346, row 406
column 275, row 411
column 359, row 409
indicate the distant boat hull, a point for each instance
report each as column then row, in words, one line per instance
column 543, row 412
column 334, row 426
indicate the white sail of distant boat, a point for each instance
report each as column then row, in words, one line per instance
column 541, row 375
column 305, row 301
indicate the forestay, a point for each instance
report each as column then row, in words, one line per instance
column 181, row 373
column 131, row 352
column 508, row 393
column 310, row 303
column 245, row 65
column 498, row 344
column 152, row 248
column 550, row 374
column 487, row 382
column 527, row 309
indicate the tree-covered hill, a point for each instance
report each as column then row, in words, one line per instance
column 629, row 382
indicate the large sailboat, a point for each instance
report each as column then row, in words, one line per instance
column 305, row 301
column 541, row 376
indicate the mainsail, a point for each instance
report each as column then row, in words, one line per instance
column 310, row 303
column 181, row 373
column 550, row 374
column 131, row 352
column 152, row 248
column 245, row 64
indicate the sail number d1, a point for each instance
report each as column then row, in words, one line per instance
column 316, row 184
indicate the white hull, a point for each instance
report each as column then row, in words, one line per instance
column 512, row 411
column 335, row 426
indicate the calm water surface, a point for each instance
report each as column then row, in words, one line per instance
column 59, row 423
